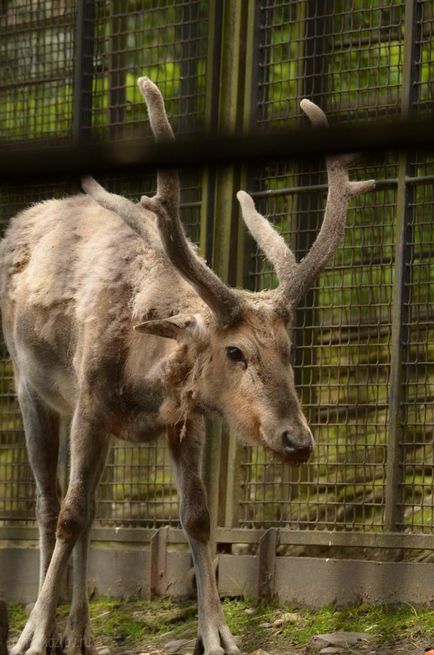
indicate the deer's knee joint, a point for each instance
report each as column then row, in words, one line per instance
column 69, row 524
column 197, row 524
column 74, row 515
column 194, row 512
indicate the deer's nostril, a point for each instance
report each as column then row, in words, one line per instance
column 295, row 448
column 288, row 441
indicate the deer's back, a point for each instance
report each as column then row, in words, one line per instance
column 73, row 274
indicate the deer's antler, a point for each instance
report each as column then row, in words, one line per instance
column 226, row 303
column 295, row 279
column 130, row 212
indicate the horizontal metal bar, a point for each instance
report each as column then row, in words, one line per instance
column 33, row 81
column 114, row 534
column 21, row 163
column 64, row 19
column 379, row 184
column 250, row 536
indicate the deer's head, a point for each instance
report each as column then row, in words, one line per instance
column 235, row 355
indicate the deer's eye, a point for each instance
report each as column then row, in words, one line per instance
column 235, row 354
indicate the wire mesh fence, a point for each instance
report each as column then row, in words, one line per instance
column 36, row 69
column 341, row 365
column 168, row 41
column 363, row 59
column 348, row 57
column 418, row 369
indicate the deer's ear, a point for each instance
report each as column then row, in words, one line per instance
column 177, row 327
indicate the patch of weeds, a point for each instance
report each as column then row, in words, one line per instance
column 382, row 622
column 115, row 620
column 17, row 617
column 138, row 623
column 256, row 628
column 252, row 622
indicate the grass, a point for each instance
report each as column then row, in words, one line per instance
column 137, row 624
column 383, row 623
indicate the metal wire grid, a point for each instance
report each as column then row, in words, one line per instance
column 417, row 454
column 341, row 365
column 16, row 480
column 164, row 39
column 17, row 487
column 348, row 57
column 344, row 55
column 36, row 46
column 168, row 42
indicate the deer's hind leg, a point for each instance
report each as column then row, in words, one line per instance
column 77, row 637
column 41, row 427
column 88, row 451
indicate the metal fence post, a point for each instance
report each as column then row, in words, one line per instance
column 236, row 55
column 83, row 70
column 158, row 566
column 222, row 186
column 394, row 508
column 211, row 454
column 250, row 66
column 267, row 553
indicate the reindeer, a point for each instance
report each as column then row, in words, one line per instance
column 113, row 320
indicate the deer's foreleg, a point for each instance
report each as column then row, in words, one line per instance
column 214, row 637
column 88, row 450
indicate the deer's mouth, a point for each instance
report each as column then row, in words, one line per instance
column 295, row 459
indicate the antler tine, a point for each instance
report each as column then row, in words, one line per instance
column 132, row 214
column 267, row 238
column 339, row 192
column 168, row 187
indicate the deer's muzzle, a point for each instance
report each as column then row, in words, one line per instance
column 296, row 450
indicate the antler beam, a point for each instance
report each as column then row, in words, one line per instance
column 225, row 303
column 295, row 279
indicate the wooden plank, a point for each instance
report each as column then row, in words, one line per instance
column 301, row 580
column 158, row 567
column 331, row 539
column 237, row 575
column 117, row 572
column 267, row 564
column 229, row 535
column 316, row 582
column 19, row 574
